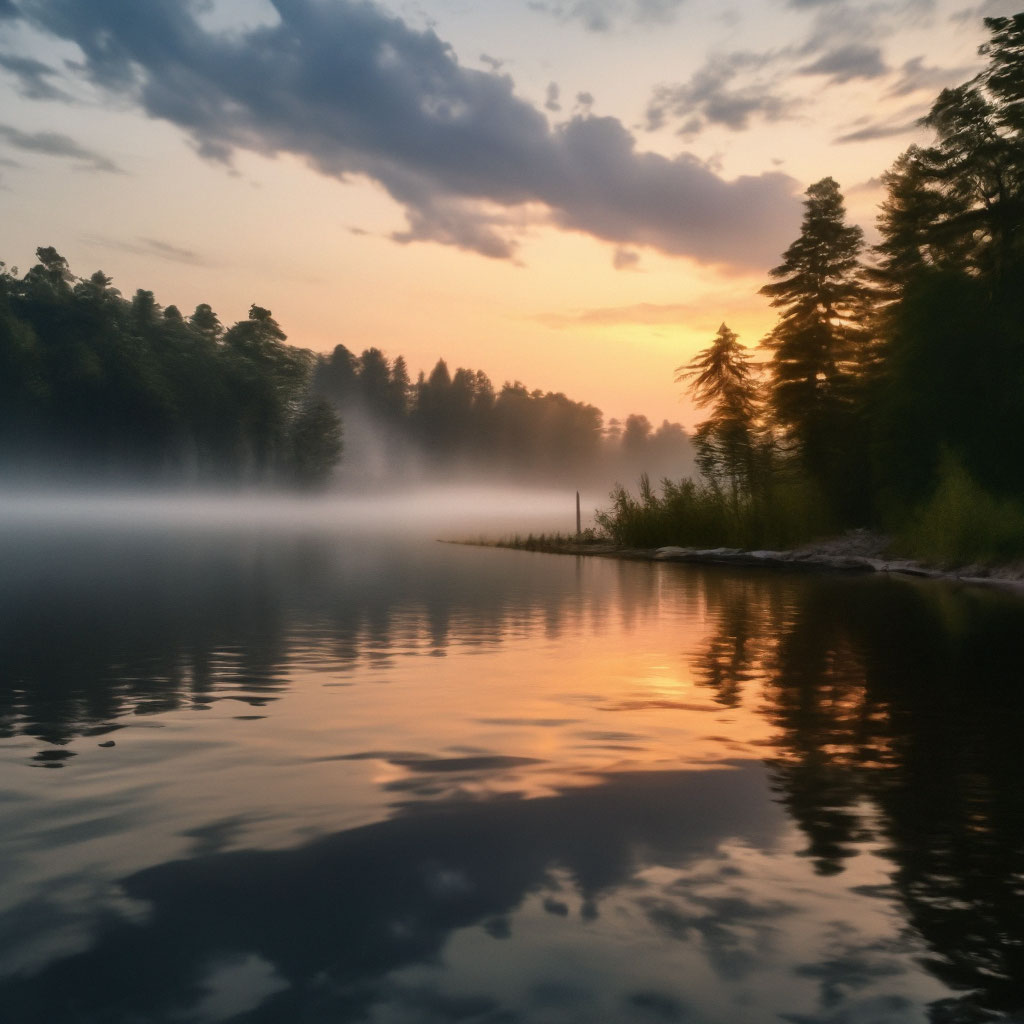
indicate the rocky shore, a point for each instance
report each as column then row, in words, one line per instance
column 858, row 551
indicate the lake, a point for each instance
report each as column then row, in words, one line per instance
column 252, row 774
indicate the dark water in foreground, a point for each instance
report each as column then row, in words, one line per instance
column 358, row 780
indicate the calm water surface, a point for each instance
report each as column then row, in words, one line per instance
column 260, row 777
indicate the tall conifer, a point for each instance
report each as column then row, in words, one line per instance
column 818, row 341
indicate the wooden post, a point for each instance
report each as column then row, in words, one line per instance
column 578, row 530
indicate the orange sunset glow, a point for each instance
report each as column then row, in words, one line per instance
column 168, row 154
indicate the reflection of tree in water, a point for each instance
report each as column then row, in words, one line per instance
column 93, row 629
column 742, row 608
column 107, row 631
column 899, row 711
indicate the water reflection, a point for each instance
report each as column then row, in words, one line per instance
column 900, row 712
column 333, row 919
column 504, row 787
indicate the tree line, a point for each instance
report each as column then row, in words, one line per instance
column 97, row 386
column 93, row 385
column 892, row 392
column 445, row 421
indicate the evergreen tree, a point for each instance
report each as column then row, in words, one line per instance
column 817, row 345
column 906, row 221
column 721, row 376
column 399, row 390
column 952, row 252
column 315, row 444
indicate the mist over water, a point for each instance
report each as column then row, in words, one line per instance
column 446, row 512
column 275, row 759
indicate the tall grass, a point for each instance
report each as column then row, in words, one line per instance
column 963, row 523
column 551, row 542
column 694, row 514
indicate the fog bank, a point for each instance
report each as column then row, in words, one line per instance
column 452, row 512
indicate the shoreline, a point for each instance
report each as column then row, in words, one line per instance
column 838, row 555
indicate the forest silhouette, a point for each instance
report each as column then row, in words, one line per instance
column 893, row 387
column 95, row 387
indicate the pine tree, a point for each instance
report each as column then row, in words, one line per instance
column 722, row 377
column 952, row 261
column 818, row 343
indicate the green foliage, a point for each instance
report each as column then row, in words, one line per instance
column 315, row 444
column 692, row 514
column 818, row 346
column 951, row 367
column 962, row 523
column 97, row 386
column 458, row 419
column 727, row 443
column 553, row 543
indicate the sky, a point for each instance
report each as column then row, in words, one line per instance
column 569, row 193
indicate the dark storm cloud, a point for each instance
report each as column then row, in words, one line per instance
column 32, row 77
column 712, row 96
column 355, row 91
column 56, row 144
column 7, row 9
column 845, row 63
column 604, row 15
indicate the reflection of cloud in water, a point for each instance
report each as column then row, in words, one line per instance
column 550, row 908
column 896, row 716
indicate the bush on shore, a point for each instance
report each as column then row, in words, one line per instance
column 962, row 522
column 689, row 513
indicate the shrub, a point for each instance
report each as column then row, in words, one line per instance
column 962, row 523
column 694, row 514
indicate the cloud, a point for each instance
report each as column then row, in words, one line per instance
column 604, row 15
column 914, row 76
column 987, row 9
column 56, row 144
column 700, row 312
column 864, row 129
column 625, row 259
column 649, row 313
column 7, row 9
column 845, row 63
column 355, row 91
column 875, row 130
column 151, row 247
column 32, row 77
column 870, row 186
column 710, row 97
column 173, row 253
column 551, row 98
column 841, row 27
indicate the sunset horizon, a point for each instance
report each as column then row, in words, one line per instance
column 571, row 195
